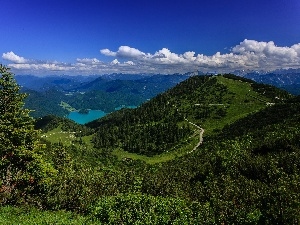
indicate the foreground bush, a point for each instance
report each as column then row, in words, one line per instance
column 137, row 208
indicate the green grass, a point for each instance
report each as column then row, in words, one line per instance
column 245, row 101
column 58, row 135
column 28, row 216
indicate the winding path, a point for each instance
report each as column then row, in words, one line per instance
column 201, row 131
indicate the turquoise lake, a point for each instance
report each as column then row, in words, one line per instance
column 83, row 118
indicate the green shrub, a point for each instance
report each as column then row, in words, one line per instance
column 146, row 209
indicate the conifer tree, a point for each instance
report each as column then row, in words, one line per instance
column 22, row 168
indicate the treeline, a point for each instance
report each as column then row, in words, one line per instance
column 146, row 139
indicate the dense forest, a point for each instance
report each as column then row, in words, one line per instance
column 246, row 171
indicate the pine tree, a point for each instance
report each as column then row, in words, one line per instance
column 22, row 167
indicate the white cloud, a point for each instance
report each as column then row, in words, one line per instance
column 296, row 47
column 87, row 61
column 166, row 56
column 189, row 55
column 115, row 62
column 248, row 54
column 10, row 56
column 41, row 67
column 267, row 55
column 107, row 52
column 129, row 63
column 265, row 49
column 123, row 51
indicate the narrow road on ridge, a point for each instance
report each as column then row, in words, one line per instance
column 201, row 131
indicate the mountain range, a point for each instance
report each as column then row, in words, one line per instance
column 287, row 81
column 58, row 94
column 51, row 94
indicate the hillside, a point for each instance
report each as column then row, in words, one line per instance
column 230, row 149
column 249, row 171
column 165, row 122
column 245, row 170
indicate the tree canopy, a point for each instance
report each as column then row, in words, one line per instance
column 22, row 168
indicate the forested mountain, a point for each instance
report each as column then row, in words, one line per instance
column 165, row 121
column 230, row 149
column 104, row 93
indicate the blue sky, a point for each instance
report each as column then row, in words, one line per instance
column 107, row 36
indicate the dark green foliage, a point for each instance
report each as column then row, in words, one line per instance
column 145, row 209
column 22, row 169
column 252, row 175
column 44, row 103
column 28, row 215
column 144, row 139
column 160, row 124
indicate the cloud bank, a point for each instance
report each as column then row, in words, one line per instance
column 10, row 56
column 247, row 55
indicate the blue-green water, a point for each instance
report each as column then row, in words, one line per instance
column 83, row 118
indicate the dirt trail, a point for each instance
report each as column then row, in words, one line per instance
column 201, row 131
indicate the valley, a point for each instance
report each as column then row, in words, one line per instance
column 238, row 101
column 58, row 95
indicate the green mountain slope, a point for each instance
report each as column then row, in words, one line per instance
column 168, row 120
column 247, row 172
